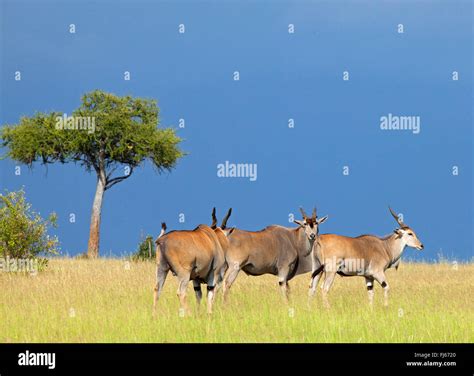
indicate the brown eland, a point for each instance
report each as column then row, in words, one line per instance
column 281, row 251
column 367, row 256
column 197, row 255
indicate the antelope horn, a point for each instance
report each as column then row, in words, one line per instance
column 224, row 221
column 314, row 214
column 303, row 213
column 399, row 221
column 214, row 218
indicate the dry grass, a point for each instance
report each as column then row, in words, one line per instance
column 107, row 301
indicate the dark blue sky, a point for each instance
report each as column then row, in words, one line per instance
column 282, row 76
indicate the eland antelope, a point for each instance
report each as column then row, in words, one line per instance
column 367, row 256
column 281, row 251
column 197, row 255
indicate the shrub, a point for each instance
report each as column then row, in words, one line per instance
column 146, row 250
column 23, row 232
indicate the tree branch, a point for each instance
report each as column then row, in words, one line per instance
column 111, row 182
column 86, row 161
column 109, row 174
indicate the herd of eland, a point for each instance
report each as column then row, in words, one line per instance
column 215, row 255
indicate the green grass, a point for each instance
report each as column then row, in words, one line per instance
column 104, row 301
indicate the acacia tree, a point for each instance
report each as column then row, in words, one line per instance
column 120, row 133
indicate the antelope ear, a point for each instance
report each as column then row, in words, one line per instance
column 323, row 219
column 299, row 223
column 231, row 230
column 398, row 232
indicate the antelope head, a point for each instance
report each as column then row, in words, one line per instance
column 311, row 224
column 406, row 233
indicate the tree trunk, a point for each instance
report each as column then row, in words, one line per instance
column 94, row 234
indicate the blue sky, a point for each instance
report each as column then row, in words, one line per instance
column 282, row 76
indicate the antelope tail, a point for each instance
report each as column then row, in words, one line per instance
column 163, row 230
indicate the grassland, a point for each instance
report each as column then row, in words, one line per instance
column 110, row 301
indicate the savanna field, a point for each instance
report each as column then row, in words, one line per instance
column 110, row 300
